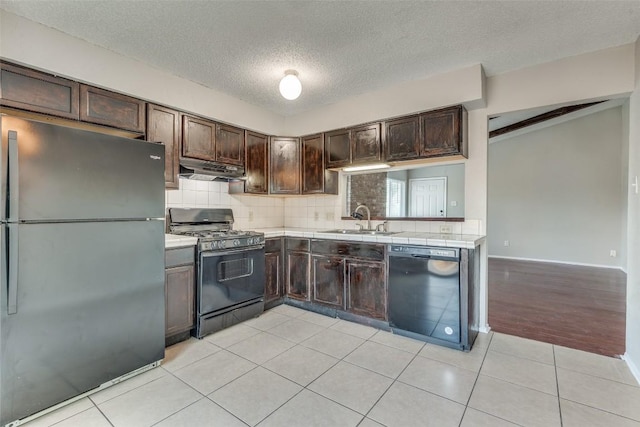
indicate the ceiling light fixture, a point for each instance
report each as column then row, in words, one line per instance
column 366, row 167
column 290, row 86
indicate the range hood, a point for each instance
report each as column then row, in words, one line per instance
column 204, row 170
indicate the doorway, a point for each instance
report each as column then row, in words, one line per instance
column 557, row 228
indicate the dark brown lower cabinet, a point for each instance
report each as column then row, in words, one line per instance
column 367, row 293
column 349, row 276
column 298, row 268
column 328, row 280
column 179, row 283
column 274, row 279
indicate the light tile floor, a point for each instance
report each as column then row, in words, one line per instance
column 290, row 367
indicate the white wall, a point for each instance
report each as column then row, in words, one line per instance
column 557, row 193
column 463, row 86
column 632, row 354
column 41, row 47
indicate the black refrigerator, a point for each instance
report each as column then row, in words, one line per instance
column 82, row 277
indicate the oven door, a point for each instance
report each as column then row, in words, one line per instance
column 229, row 279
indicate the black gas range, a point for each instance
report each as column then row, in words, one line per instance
column 230, row 267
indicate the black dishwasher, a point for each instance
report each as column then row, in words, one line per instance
column 427, row 300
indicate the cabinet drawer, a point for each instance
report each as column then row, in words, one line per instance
column 273, row 245
column 298, row 245
column 179, row 256
column 350, row 249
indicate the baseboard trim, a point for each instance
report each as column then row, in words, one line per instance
column 635, row 370
column 485, row 329
column 553, row 261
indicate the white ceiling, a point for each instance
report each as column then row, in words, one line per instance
column 339, row 48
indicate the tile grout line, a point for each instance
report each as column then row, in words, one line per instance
column 555, row 369
column 392, row 383
column 201, row 394
column 476, row 380
column 304, row 387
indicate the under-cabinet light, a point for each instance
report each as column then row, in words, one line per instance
column 366, row 167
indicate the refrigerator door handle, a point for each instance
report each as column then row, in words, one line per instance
column 13, row 175
column 12, row 285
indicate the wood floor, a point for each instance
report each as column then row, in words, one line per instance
column 573, row 306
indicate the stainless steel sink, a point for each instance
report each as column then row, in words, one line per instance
column 361, row 232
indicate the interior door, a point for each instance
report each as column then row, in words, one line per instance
column 428, row 197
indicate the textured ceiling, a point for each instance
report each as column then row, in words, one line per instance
column 339, row 48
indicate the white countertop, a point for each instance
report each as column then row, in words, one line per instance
column 468, row 241
column 175, row 241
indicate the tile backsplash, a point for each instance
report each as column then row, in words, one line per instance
column 321, row 212
column 249, row 212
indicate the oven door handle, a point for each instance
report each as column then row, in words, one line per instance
column 231, row 252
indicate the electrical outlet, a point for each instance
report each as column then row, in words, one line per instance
column 613, row 253
column 250, row 216
column 445, row 229
column 316, row 216
column 329, row 216
column 454, row 203
column 506, row 243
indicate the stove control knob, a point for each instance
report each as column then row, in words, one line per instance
column 236, row 242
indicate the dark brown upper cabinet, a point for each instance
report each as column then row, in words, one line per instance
column 313, row 164
column 444, row 132
column 338, row 148
column 402, row 138
column 229, row 145
column 365, row 144
column 256, row 166
column 284, row 165
column 108, row 108
column 198, row 138
column 315, row 178
column 360, row 144
column 163, row 126
column 32, row 90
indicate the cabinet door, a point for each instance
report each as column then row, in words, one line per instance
column 367, row 290
column 256, row 169
column 179, row 285
column 163, row 126
column 34, row 91
column 229, row 145
column 337, row 145
column 313, row 175
column 328, row 280
column 365, row 145
column 198, row 138
column 107, row 108
column 402, row 138
column 298, row 275
column 273, row 274
column 442, row 132
column 331, row 182
column 284, row 168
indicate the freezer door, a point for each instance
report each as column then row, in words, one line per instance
column 89, row 308
column 61, row 173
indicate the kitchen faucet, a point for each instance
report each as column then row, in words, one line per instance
column 358, row 215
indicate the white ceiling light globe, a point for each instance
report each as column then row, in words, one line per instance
column 290, row 86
